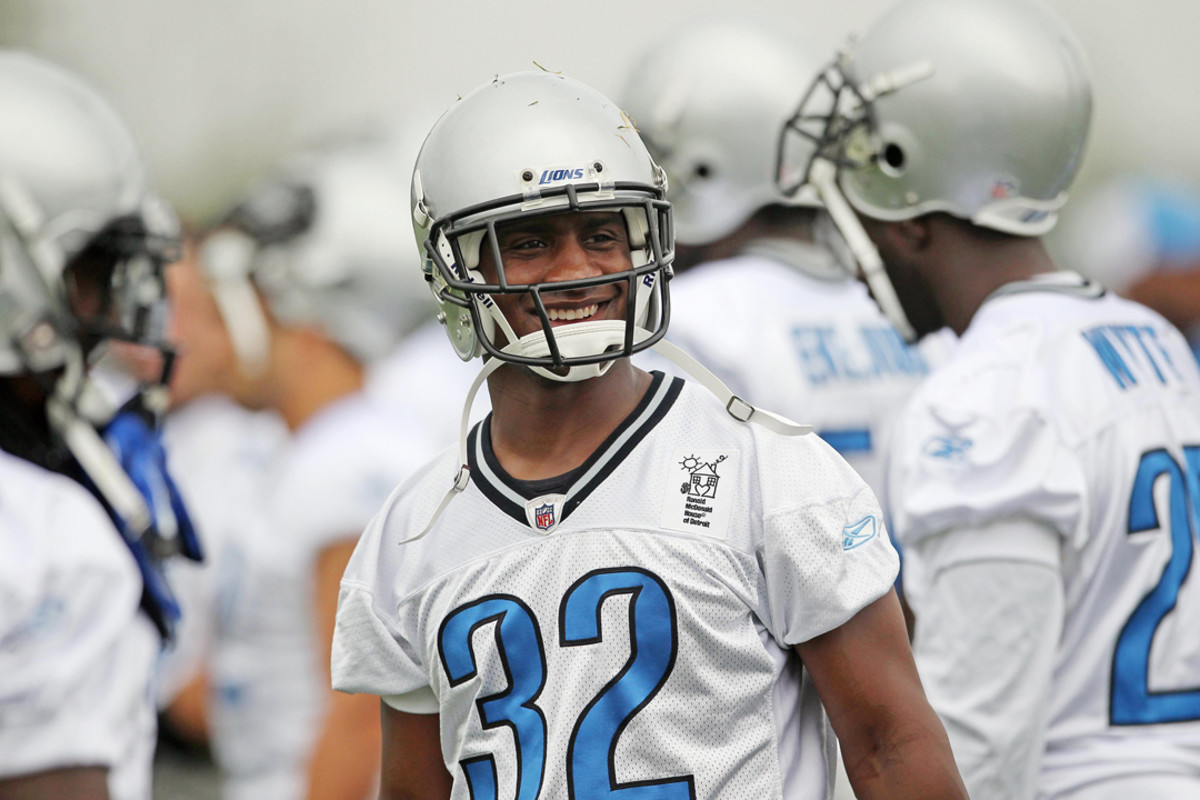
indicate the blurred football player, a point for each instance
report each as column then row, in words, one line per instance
column 1045, row 481
column 763, row 306
column 83, row 241
column 220, row 457
column 306, row 276
column 611, row 585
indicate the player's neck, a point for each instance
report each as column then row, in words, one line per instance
column 542, row 428
column 972, row 271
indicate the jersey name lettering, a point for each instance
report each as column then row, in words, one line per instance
column 1131, row 354
column 825, row 356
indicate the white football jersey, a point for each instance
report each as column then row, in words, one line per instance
column 219, row 454
column 76, row 654
column 1080, row 411
column 627, row 624
column 270, row 689
column 787, row 331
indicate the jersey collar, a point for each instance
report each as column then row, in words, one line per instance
column 511, row 495
column 1063, row 282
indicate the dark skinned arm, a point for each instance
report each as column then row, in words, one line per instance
column 893, row 744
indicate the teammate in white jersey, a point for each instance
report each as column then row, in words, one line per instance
column 83, row 242
column 613, row 586
column 304, row 275
column 756, row 300
column 1045, row 481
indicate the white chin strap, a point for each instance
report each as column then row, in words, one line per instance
column 738, row 408
column 575, row 340
column 823, row 175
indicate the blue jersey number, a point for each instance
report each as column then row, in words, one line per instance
column 1132, row 701
column 519, row 646
column 591, row 773
column 591, row 752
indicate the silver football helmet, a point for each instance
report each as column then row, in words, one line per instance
column 976, row 108
column 83, row 243
column 83, row 240
column 531, row 144
column 709, row 105
column 324, row 244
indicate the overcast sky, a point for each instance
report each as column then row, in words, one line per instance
column 218, row 89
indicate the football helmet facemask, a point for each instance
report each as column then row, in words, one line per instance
column 526, row 145
column 980, row 110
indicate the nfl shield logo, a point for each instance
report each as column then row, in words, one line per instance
column 543, row 517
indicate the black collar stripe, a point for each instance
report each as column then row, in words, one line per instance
column 504, row 491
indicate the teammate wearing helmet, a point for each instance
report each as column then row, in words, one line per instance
column 82, row 247
column 1044, row 481
column 305, row 277
column 760, row 303
column 612, row 584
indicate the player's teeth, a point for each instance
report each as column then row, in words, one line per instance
column 572, row 313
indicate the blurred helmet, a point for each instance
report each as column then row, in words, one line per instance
column 325, row 244
column 709, row 105
column 526, row 145
column 979, row 109
column 976, row 108
column 83, row 240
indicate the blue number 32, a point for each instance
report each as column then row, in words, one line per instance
column 1132, row 701
column 591, row 750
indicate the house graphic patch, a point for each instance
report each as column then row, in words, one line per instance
column 700, row 492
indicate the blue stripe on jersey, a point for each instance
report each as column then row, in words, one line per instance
column 848, row 441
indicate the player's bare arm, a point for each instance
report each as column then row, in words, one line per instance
column 82, row 783
column 892, row 741
column 412, row 757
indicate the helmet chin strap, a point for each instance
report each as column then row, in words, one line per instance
column 93, row 455
column 737, row 408
column 575, row 340
column 823, row 175
column 227, row 257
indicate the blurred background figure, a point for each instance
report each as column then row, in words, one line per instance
column 220, row 453
column 302, row 285
column 1140, row 237
column 757, row 298
column 83, row 241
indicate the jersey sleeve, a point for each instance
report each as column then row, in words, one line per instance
column 826, row 553
column 370, row 655
column 975, row 446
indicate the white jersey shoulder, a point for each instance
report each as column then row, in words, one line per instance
column 1082, row 411
column 75, row 651
column 679, row 563
column 810, row 345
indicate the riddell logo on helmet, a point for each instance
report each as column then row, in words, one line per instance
column 555, row 175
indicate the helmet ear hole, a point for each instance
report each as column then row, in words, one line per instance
column 702, row 171
column 894, row 161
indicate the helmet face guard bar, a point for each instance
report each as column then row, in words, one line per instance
column 658, row 245
column 125, row 265
column 833, row 108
